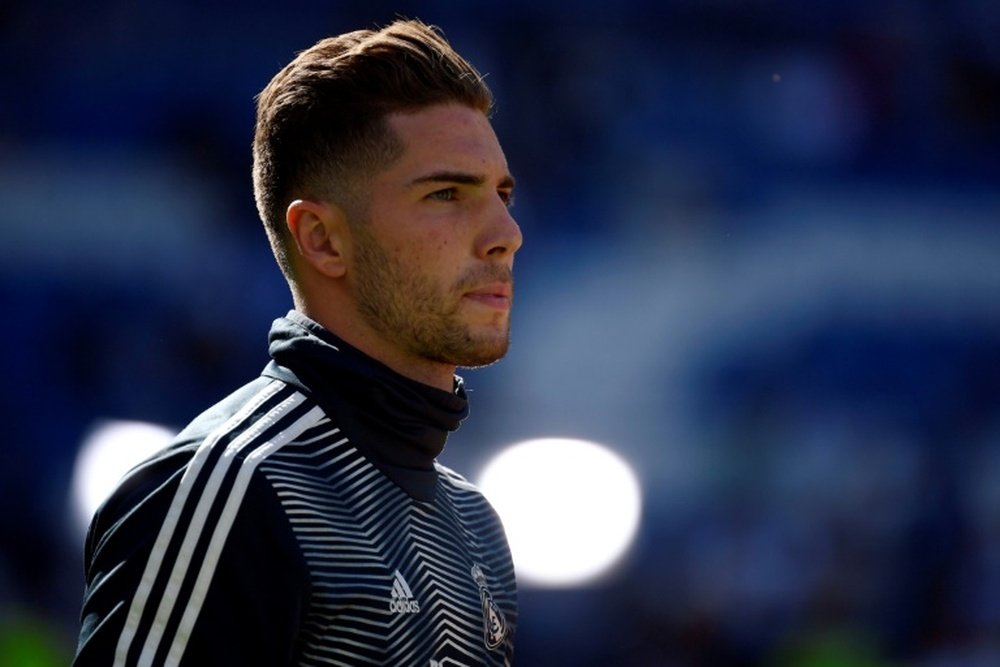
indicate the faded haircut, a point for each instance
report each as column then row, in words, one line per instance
column 322, row 130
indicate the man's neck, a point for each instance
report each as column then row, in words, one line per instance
column 362, row 338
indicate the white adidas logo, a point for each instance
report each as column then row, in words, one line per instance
column 402, row 601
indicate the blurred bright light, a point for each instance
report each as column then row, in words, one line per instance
column 111, row 450
column 570, row 508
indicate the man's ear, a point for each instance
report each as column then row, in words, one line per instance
column 319, row 232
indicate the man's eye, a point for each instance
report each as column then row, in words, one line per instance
column 507, row 197
column 448, row 194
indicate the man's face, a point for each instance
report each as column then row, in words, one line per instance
column 432, row 261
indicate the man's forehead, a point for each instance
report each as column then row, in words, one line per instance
column 449, row 139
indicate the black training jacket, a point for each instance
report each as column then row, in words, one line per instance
column 303, row 520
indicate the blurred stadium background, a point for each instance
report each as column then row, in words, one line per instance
column 762, row 264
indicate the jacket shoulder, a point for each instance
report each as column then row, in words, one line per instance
column 197, row 510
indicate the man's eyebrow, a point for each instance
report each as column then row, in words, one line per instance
column 460, row 177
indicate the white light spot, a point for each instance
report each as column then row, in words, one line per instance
column 570, row 508
column 111, row 450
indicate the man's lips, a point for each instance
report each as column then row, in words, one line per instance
column 496, row 295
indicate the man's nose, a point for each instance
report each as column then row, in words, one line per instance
column 502, row 236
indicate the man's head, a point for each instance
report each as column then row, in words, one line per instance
column 385, row 194
column 321, row 122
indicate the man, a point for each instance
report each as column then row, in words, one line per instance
column 304, row 520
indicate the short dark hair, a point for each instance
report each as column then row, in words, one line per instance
column 321, row 122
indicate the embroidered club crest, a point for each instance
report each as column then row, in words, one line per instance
column 494, row 623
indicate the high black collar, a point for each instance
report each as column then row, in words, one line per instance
column 400, row 424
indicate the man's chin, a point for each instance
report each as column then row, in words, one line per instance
column 483, row 352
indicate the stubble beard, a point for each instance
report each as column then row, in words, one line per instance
column 408, row 310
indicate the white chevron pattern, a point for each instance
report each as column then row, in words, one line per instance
column 367, row 543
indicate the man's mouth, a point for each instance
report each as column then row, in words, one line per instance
column 494, row 295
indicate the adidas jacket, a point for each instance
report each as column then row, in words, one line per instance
column 302, row 521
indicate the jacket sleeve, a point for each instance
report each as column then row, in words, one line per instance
column 175, row 576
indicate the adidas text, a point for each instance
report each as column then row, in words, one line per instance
column 404, row 606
